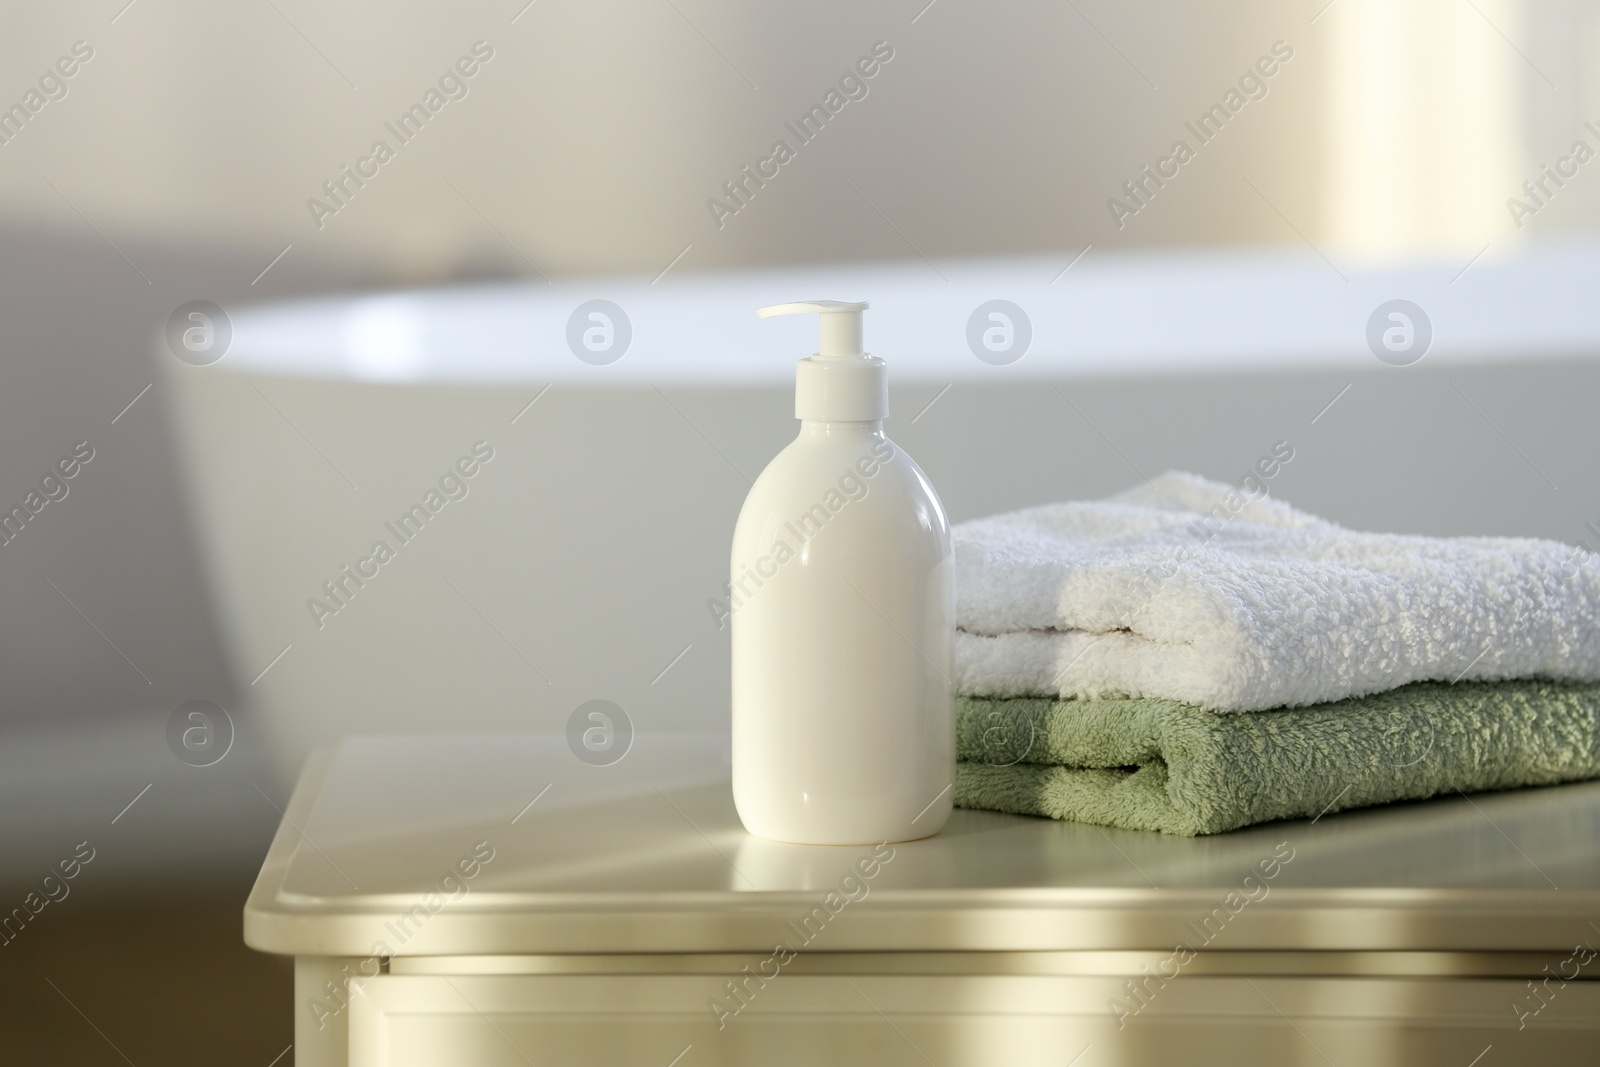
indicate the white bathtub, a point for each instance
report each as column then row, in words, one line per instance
column 580, row 561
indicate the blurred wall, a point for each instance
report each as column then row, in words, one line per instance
column 594, row 136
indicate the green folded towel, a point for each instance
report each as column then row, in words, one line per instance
column 1148, row 764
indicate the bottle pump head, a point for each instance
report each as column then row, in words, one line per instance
column 840, row 382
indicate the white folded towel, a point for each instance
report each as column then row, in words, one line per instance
column 1143, row 595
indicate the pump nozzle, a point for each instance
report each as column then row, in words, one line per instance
column 841, row 383
column 841, row 324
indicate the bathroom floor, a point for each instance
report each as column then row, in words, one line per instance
column 156, row 980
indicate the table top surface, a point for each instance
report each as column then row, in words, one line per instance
column 647, row 855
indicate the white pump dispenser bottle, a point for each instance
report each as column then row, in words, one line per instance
column 842, row 604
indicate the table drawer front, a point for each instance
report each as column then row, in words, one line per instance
column 953, row 1021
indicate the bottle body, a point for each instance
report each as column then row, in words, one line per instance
column 842, row 607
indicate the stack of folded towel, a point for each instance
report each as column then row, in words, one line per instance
column 1178, row 659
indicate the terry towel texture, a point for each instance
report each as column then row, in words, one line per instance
column 1147, row 594
column 1161, row 765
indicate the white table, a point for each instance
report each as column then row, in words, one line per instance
column 619, row 903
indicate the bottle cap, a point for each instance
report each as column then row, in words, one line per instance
column 840, row 382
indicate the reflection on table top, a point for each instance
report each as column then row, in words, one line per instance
column 379, row 823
